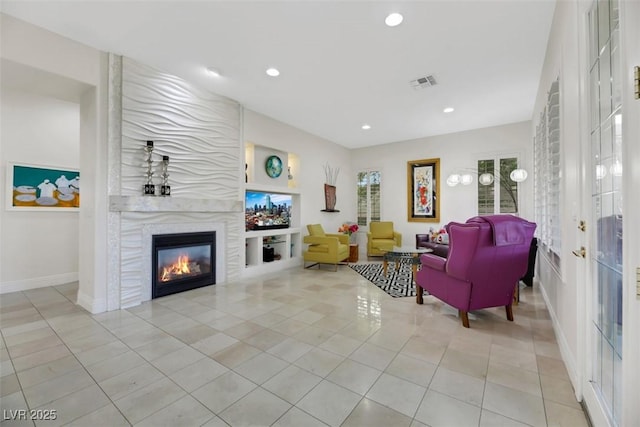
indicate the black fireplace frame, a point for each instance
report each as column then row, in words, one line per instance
column 180, row 240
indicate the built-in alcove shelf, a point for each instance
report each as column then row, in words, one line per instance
column 286, row 243
column 256, row 174
column 171, row 204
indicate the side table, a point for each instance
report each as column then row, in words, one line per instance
column 406, row 255
column 353, row 252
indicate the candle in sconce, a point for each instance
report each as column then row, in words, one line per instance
column 165, row 188
column 149, row 187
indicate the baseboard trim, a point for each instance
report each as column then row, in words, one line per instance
column 37, row 282
column 568, row 358
column 271, row 267
column 92, row 305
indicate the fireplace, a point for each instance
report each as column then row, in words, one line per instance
column 182, row 261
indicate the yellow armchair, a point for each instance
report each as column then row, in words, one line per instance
column 382, row 238
column 325, row 248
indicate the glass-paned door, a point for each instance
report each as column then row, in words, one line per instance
column 606, row 324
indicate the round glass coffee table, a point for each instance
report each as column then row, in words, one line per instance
column 404, row 255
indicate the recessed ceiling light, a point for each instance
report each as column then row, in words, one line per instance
column 273, row 72
column 393, row 19
column 366, row 126
column 214, row 72
column 449, row 110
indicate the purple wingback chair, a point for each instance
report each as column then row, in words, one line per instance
column 487, row 257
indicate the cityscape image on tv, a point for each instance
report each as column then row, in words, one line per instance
column 265, row 211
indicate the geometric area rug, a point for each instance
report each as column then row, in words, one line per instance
column 395, row 283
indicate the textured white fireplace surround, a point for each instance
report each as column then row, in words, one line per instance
column 200, row 132
column 130, row 260
column 150, row 230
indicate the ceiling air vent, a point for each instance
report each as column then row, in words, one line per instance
column 423, row 82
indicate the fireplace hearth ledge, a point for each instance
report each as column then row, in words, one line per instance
column 171, row 204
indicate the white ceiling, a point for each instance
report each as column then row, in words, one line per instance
column 340, row 65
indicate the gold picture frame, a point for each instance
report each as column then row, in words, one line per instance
column 423, row 190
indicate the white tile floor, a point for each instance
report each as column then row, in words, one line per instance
column 301, row 348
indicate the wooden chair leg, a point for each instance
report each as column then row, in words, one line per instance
column 516, row 294
column 419, row 291
column 509, row 312
column 465, row 318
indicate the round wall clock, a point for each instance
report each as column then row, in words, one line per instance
column 273, row 166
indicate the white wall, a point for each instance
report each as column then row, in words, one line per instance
column 38, row 248
column 456, row 151
column 312, row 154
column 84, row 72
column 560, row 288
column 41, row 49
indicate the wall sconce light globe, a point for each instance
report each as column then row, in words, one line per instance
column 453, row 180
column 518, row 175
column 485, row 179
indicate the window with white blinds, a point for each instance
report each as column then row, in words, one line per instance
column 548, row 176
column 486, row 192
column 501, row 194
column 368, row 197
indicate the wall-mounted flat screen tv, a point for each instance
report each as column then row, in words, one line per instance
column 267, row 211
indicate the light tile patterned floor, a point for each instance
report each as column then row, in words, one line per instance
column 300, row 348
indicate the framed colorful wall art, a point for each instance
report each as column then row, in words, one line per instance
column 423, row 190
column 38, row 187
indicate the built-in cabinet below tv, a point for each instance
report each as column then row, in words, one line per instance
column 272, row 250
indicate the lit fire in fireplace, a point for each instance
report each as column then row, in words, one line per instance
column 183, row 267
